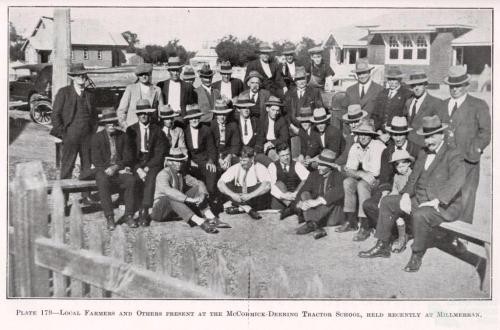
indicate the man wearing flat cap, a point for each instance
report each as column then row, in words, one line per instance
column 269, row 70
column 469, row 130
column 206, row 93
column 256, row 94
column 431, row 196
column 365, row 91
column 317, row 70
column 228, row 87
column 142, row 89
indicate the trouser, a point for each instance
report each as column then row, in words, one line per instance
column 164, row 205
column 469, row 189
column 107, row 184
column 257, row 203
column 208, row 178
column 145, row 190
column 318, row 214
column 278, row 204
column 76, row 142
column 356, row 190
column 370, row 207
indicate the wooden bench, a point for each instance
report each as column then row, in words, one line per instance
column 475, row 235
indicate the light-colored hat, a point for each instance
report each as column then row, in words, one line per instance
column 77, row 69
column 394, row 73
column 315, row 50
column 205, row 71
column 176, row 154
column 417, row 78
column 188, row 73
column 354, row 113
column 362, row 65
column 273, row 100
column 305, row 114
column 326, row 157
column 366, row 127
column 254, row 74
column 400, row 155
column 174, row 63
column 290, row 50
column 399, row 125
column 167, row 112
column 108, row 115
column 300, row 73
column 320, row 116
column 265, row 48
column 457, row 75
column 221, row 108
column 244, row 101
column 226, row 68
column 431, row 125
column 143, row 106
column 143, row 68
column 193, row 111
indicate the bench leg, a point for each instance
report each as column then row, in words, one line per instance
column 486, row 285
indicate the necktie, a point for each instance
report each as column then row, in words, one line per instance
column 254, row 97
column 413, row 111
column 245, row 132
column 222, row 134
column 362, row 91
column 146, row 138
column 301, row 94
column 455, row 107
column 285, row 168
column 399, row 148
column 391, row 94
column 169, row 135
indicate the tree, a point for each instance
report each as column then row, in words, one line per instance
column 302, row 50
column 160, row 54
column 132, row 40
column 16, row 43
column 239, row 53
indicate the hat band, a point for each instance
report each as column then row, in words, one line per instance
column 142, row 107
column 167, row 113
column 399, row 128
column 108, row 115
column 193, row 112
column 431, row 129
column 355, row 116
column 321, row 117
column 174, row 63
column 458, row 79
column 225, row 68
column 326, row 159
column 418, row 76
column 178, row 156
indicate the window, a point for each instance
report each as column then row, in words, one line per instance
column 72, row 55
column 99, row 54
column 85, row 54
column 421, row 48
column 393, row 45
column 407, row 48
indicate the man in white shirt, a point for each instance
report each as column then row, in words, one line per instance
column 247, row 185
column 228, row 86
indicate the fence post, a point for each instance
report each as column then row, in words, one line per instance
column 29, row 217
column 96, row 245
column 140, row 251
column 76, row 242
column 189, row 266
column 57, row 233
column 279, row 287
column 217, row 278
column 118, row 250
column 164, row 258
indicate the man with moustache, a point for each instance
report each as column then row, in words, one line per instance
column 257, row 95
column 365, row 91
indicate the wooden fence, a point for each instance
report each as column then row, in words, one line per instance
column 51, row 255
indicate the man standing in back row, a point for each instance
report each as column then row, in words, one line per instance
column 365, row 91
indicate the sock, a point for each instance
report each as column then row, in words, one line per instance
column 400, row 222
column 198, row 220
column 208, row 213
column 245, row 208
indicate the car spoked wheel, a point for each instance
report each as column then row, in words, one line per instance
column 41, row 111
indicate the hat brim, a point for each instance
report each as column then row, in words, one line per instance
column 145, row 111
column 273, row 103
column 265, row 51
column 109, row 120
column 244, row 105
column 304, row 119
column 417, row 81
column 230, row 71
column 174, row 67
column 388, row 129
column 170, row 116
column 399, row 76
column 420, row 131
column 466, row 80
column 221, row 112
column 328, row 116
column 288, row 53
column 346, row 119
column 355, row 131
column 254, row 76
column 196, row 115
column 364, row 70
column 410, row 158
column 177, row 159
column 319, row 161
column 299, row 78
column 204, row 75
column 188, row 77
column 77, row 73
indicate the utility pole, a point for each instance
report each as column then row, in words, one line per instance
column 61, row 59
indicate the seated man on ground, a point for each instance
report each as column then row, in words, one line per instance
column 184, row 195
column 247, row 185
column 287, row 177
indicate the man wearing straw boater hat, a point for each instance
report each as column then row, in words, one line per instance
column 113, row 161
column 229, row 87
column 365, row 91
column 141, row 89
column 169, row 127
column 149, row 146
column 431, row 196
column 289, row 67
column 248, row 125
column 328, row 137
column 363, row 170
column 351, row 120
column 184, row 195
column 317, row 70
column 391, row 101
column 399, row 130
column 269, row 70
column 174, row 91
column 421, row 105
column 256, row 93
column 226, row 136
column 188, row 75
column 206, row 93
column 74, row 120
column 469, row 131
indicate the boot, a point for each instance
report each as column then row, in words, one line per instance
column 288, row 211
column 415, row 262
column 400, row 244
column 144, row 218
column 351, row 223
column 110, row 222
column 307, row 228
column 381, row 249
column 364, row 231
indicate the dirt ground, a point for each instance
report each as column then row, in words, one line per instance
column 272, row 244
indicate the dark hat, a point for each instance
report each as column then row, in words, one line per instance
column 362, row 65
column 205, row 71
column 221, row 108
column 176, row 155
column 416, row 78
column 366, row 127
column 354, row 113
column 273, row 100
column 305, row 114
column 399, row 125
column 300, row 73
column 431, row 125
column 265, row 48
column 77, row 69
column 254, row 74
column 290, row 50
column 244, row 101
column 174, row 63
column 339, row 102
column 315, row 50
column 108, row 115
column 326, row 157
column 457, row 75
column 143, row 106
column 143, row 68
column 320, row 116
column 167, row 112
column 226, row 68
column 394, row 73
column 193, row 111
column 188, row 73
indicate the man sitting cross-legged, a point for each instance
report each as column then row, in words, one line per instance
column 184, row 195
column 247, row 185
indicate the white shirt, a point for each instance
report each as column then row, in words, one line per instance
column 143, row 128
column 392, row 92
column 291, row 68
column 322, row 137
column 78, row 90
column 270, row 136
column 418, row 102
column 225, row 90
column 430, row 157
column 194, row 136
column 174, row 95
column 248, row 137
column 256, row 173
column 458, row 101
column 369, row 158
column 254, row 96
column 267, row 69
column 299, row 91
column 144, row 90
column 301, row 171
column 365, row 86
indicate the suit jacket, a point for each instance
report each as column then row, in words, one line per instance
column 430, row 106
column 232, row 143
column 368, row 101
column 101, row 151
column 333, row 140
column 387, row 170
column 469, row 127
column 292, row 103
column 177, row 139
column 446, row 177
column 188, row 96
column 63, row 111
column 315, row 185
column 386, row 108
column 309, row 143
column 206, row 102
column 255, row 128
column 236, row 86
column 206, row 148
column 275, row 83
column 287, row 75
column 132, row 94
column 259, row 109
column 158, row 146
column 280, row 132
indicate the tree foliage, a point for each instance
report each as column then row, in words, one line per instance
column 16, row 43
column 132, row 40
column 160, row 54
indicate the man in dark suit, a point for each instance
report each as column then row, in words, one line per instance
column 113, row 160
column 272, row 79
column 431, row 196
column 207, row 95
column 174, row 91
column 328, row 137
column 149, row 146
column 365, row 91
column 309, row 137
column 229, row 87
column 288, row 69
column 469, row 131
column 257, row 95
column 317, row 70
column 391, row 101
column 74, row 120
column 226, row 136
column 248, row 126
column 421, row 105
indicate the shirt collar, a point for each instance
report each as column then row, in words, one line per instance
column 366, row 85
column 263, row 63
column 209, row 89
column 143, row 126
column 459, row 101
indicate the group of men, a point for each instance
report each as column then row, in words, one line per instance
column 401, row 156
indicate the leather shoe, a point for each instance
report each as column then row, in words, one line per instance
column 110, row 222
column 208, row 227
column 144, row 219
column 345, row 227
column 219, row 224
column 361, row 235
column 381, row 249
column 130, row 221
column 307, row 228
column 319, row 233
column 254, row 214
column 414, row 263
column 233, row 210
column 286, row 212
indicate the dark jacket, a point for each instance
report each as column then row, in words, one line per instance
column 158, row 146
column 286, row 74
column 333, row 140
column 334, row 187
column 387, row 170
column 255, row 128
column 309, row 143
column 292, row 104
column 368, row 101
column 320, row 72
column 237, row 86
column 275, row 83
column 259, row 109
column 232, row 143
column 188, row 96
column 206, row 148
column 386, row 108
column 101, row 152
column 280, row 132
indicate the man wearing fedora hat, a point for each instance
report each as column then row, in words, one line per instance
column 391, row 101
column 257, row 95
column 149, row 146
column 363, row 170
column 469, row 131
column 113, row 160
column 431, row 196
column 188, row 75
column 206, row 93
column 289, row 67
column 169, row 127
column 321, row 194
column 226, row 136
column 184, row 195
column 74, row 120
column 328, row 137
column 317, row 70
column 228, row 87
column 174, row 91
column 309, row 137
column 248, row 125
column 269, row 70
column 421, row 105
column 398, row 130
column 350, row 120
column 365, row 91
column 141, row 89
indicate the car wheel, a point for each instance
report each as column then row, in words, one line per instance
column 41, row 111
